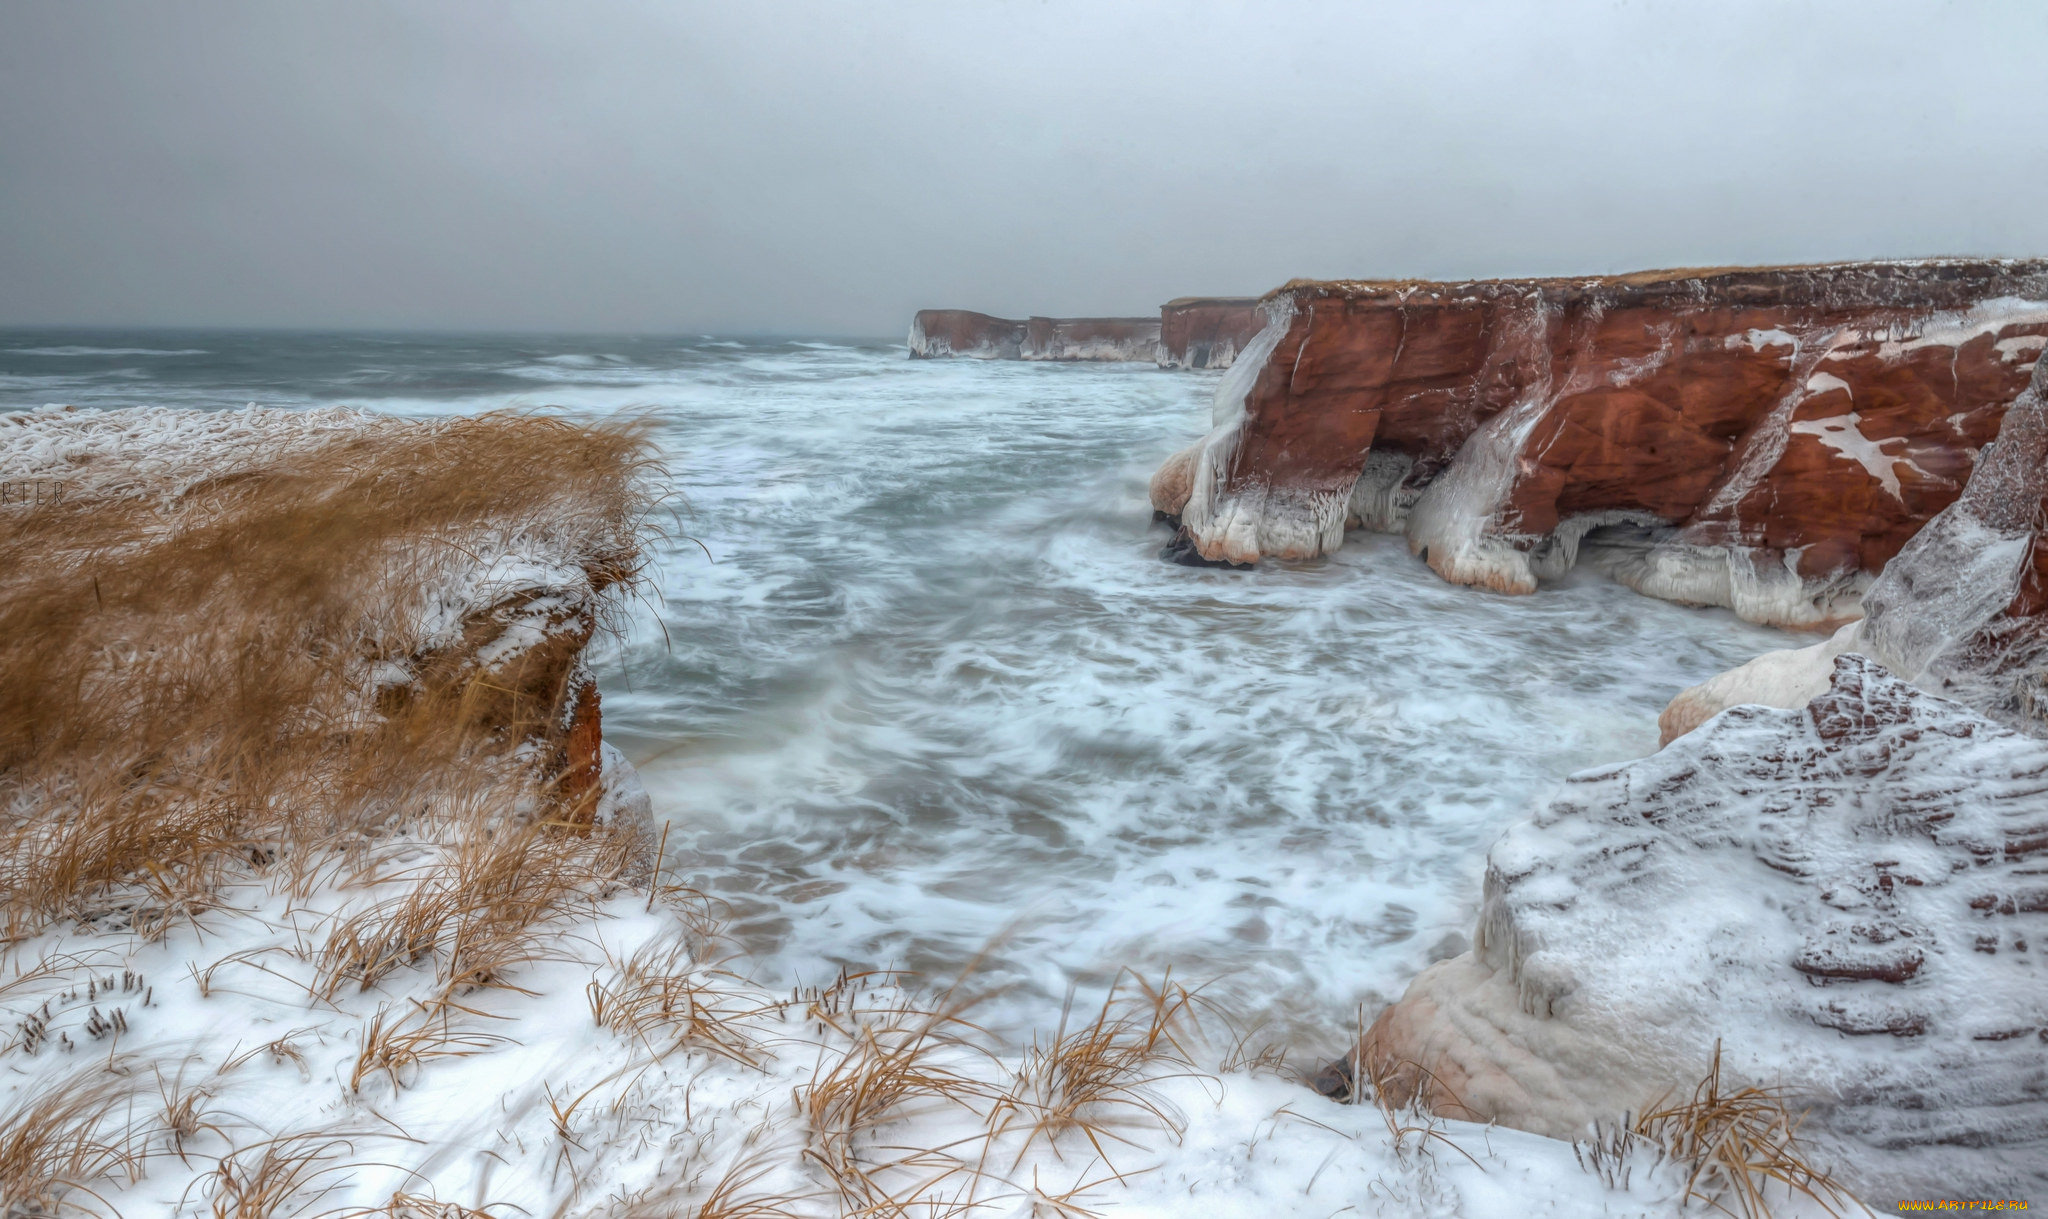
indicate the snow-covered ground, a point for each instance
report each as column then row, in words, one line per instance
column 229, row 1075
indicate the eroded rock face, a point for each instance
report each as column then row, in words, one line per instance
column 1852, row 898
column 1207, row 331
column 515, row 669
column 936, row 333
column 1961, row 611
column 1765, row 439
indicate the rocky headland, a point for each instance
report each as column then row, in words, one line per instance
column 1190, row 332
column 1764, row 439
column 938, row 333
column 1208, row 331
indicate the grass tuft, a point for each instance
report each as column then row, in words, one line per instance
column 900, row 1062
column 1097, row 1077
column 663, row 996
column 61, row 1141
column 1738, row 1149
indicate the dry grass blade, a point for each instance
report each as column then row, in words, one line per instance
column 1736, row 1146
column 276, row 1177
column 284, row 1049
column 663, row 988
column 1094, row 1079
column 733, row 1197
column 892, row 1070
column 183, row 1116
column 477, row 909
column 397, row 1048
column 66, row 1138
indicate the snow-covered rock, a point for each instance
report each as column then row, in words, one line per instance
column 1790, row 678
column 1852, row 899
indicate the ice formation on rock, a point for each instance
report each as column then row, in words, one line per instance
column 1852, row 899
column 1764, row 439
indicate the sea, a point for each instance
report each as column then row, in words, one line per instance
column 912, row 689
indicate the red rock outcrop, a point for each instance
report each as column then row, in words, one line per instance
column 1849, row 898
column 1765, row 438
column 1962, row 610
column 1207, row 331
column 515, row 670
column 936, row 333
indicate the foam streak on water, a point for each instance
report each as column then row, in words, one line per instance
column 937, row 695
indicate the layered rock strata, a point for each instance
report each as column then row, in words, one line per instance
column 1765, row 439
column 1208, row 331
column 937, row 333
column 1961, row 611
column 1851, row 899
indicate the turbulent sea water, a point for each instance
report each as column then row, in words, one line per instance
column 913, row 689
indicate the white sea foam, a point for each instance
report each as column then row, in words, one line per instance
column 937, row 691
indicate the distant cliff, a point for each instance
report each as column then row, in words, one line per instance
column 1762, row 438
column 937, row 333
column 1207, row 331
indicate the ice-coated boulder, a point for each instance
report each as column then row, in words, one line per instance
column 1852, row 898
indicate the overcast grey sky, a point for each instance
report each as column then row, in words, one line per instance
column 766, row 166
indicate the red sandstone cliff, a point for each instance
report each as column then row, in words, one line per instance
column 1761, row 438
column 1207, row 331
column 937, row 333
column 1962, row 610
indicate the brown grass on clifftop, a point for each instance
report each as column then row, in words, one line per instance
column 197, row 657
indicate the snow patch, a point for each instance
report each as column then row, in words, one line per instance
column 1842, row 434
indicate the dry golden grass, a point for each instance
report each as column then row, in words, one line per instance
column 732, row 1197
column 1096, row 1079
column 182, row 1114
column 664, row 996
column 476, row 906
column 64, row 1139
column 1737, row 1148
column 278, row 1177
column 190, row 662
column 894, row 1068
column 396, row 1047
